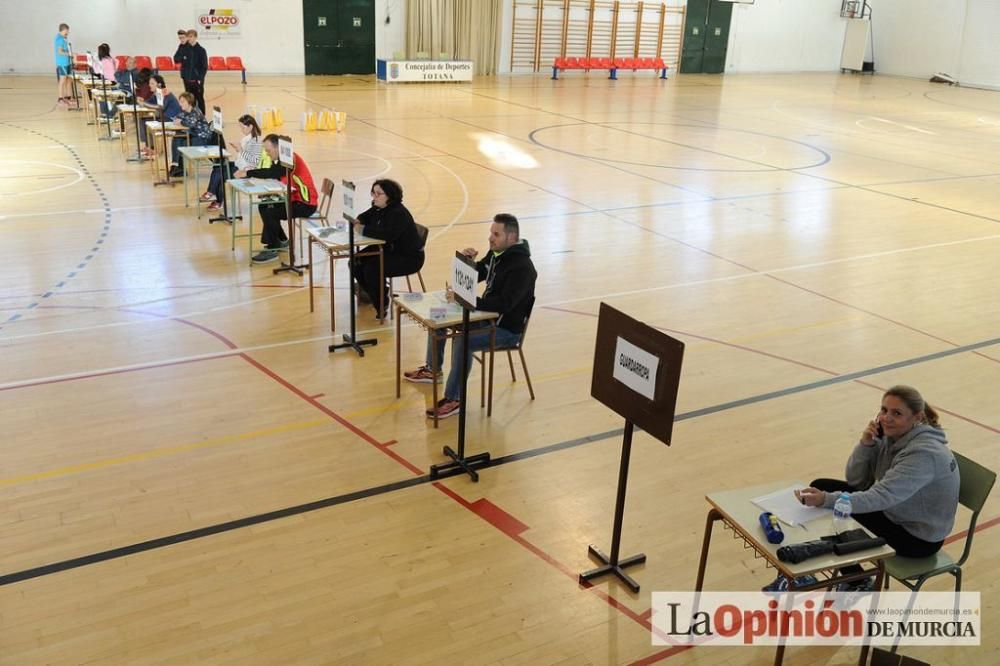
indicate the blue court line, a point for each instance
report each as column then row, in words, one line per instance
column 240, row 523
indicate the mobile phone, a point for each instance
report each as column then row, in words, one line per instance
column 879, row 432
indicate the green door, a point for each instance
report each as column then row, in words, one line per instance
column 339, row 36
column 706, row 36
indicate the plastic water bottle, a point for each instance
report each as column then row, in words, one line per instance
column 842, row 513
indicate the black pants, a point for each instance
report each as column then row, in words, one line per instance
column 896, row 536
column 367, row 273
column 197, row 89
column 272, row 214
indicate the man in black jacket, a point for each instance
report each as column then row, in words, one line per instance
column 193, row 59
column 510, row 290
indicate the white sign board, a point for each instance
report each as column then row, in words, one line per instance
column 285, row 153
column 428, row 70
column 217, row 120
column 464, row 277
column 350, row 214
column 635, row 368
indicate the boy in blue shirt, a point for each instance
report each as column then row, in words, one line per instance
column 63, row 65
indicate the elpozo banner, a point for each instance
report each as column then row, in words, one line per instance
column 215, row 22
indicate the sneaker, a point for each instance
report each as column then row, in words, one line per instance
column 780, row 584
column 214, row 206
column 207, row 196
column 265, row 257
column 282, row 246
column 422, row 375
column 446, row 408
column 64, row 101
column 176, row 171
column 863, row 585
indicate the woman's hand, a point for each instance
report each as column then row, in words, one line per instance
column 811, row 496
column 242, row 173
column 869, row 434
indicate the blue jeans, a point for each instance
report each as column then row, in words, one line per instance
column 479, row 339
column 215, row 180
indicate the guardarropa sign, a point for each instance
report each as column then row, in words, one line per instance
column 219, row 22
column 430, row 70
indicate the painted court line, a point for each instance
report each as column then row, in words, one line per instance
column 421, row 479
column 690, row 283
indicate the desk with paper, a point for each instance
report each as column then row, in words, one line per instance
column 739, row 510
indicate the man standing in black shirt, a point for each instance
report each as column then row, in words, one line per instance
column 193, row 59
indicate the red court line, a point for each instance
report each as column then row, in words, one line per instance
column 306, row 397
column 512, row 528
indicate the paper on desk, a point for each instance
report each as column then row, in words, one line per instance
column 786, row 506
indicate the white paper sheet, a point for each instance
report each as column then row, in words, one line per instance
column 786, row 506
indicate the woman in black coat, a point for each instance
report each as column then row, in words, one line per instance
column 388, row 220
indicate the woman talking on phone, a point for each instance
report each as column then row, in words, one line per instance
column 901, row 477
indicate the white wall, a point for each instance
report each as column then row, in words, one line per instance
column 786, row 36
column 979, row 63
column 389, row 37
column 922, row 37
column 271, row 40
column 918, row 37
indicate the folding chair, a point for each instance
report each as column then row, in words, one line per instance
column 480, row 357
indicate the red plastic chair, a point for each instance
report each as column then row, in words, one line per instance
column 560, row 63
column 600, row 63
column 79, row 61
column 625, row 63
column 646, row 63
column 235, row 64
column 143, row 62
column 165, row 64
column 216, row 64
column 120, row 63
column 658, row 63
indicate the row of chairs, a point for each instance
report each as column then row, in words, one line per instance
column 167, row 64
column 610, row 64
column 322, row 216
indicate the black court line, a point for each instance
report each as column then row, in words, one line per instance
column 374, row 491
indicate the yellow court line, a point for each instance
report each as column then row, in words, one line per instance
column 161, row 453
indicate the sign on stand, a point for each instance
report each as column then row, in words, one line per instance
column 286, row 156
column 464, row 277
column 637, row 370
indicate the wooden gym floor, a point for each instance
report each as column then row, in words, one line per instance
column 813, row 239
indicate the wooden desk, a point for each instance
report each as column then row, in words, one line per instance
column 155, row 129
column 125, row 111
column 417, row 307
column 190, row 156
column 738, row 513
column 261, row 190
column 112, row 97
column 334, row 241
column 91, row 84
